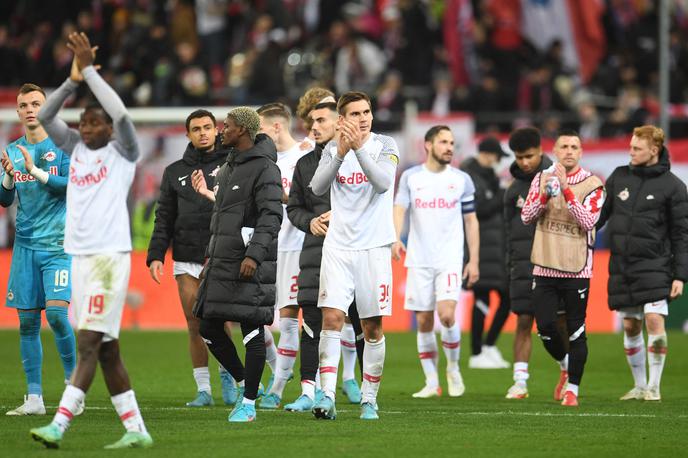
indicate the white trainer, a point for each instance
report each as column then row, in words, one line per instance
column 635, row 393
column 428, row 392
column 455, row 384
column 495, row 355
column 482, row 361
column 517, row 391
column 652, row 394
column 33, row 405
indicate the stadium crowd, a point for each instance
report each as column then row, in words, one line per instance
column 190, row 53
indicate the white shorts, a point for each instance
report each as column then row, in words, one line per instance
column 426, row 286
column 661, row 307
column 99, row 289
column 188, row 268
column 364, row 275
column 287, row 275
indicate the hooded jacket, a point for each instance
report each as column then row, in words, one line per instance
column 489, row 202
column 646, row 212
column 245, row 222
column 519, row 238
column 182, row 217
column 303, row 206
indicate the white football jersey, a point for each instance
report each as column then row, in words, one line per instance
column 290, row 238
column 361, row 218
column 97, row 214
column 435, row 202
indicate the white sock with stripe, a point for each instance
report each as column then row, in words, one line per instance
column 308, row 388
column 348, row 352
column 451, row 342
column 329, row 349
column 286, row 353
column 634, row 347
column 128, row 410
column 427, row 353
column 521, row 373
column 71, row 398
column 373, row 363
column 657, row 350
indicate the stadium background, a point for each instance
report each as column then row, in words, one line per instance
column 481, row 66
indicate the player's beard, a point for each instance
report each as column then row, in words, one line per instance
column 439, row 158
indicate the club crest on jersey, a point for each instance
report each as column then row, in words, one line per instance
column 520, row 202
column 50, row 156
column 214, row 172
column 624, row 195
column 10, row 295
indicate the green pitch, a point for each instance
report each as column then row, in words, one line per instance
column 481, row 423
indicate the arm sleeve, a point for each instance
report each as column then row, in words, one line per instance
column 57, row 183
column 325, row 173
column 125, row 134
column 268, row 200
column 165, row 218
column 64, row 137
column 677, row 208
column 608, row 206
column 468, row 196
column 6, row 195
column 586, row 213
column 297, row 211
column 403, row 197
column 535, row 203
column 380, row 173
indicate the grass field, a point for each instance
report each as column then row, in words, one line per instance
column 481, row 423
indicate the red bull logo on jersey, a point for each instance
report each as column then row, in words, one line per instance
column 50, row 156
column 437, row 202
column 354, row 178
column 20, row 177
column 89, row 179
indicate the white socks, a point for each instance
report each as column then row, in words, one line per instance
column 657, row 350
column 128, row 411
column 451, row 341
column 636, row 356
column 521, row 373
column 373, row 363
column 286, row 353
column 572, row 388
column 270, row 349
column 348, row 352
column 308, row 388
column 202, row 377
column 564, row 363
column 427, row 353
column 71, row 398
column 330, row 349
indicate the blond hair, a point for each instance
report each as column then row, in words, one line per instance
column 309, row 100
column 653, row 134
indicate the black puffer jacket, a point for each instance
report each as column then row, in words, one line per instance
column 249, row 196
column 489, row 201
column 519, row 237
column 183, row 216
column 303, row 206
column 647, row 214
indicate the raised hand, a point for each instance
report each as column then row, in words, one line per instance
column 28, row 160
column 7, row 165
column 353, row 133
column 84, row 53
column 560, row 173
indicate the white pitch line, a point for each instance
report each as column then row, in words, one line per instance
column 428, row 412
